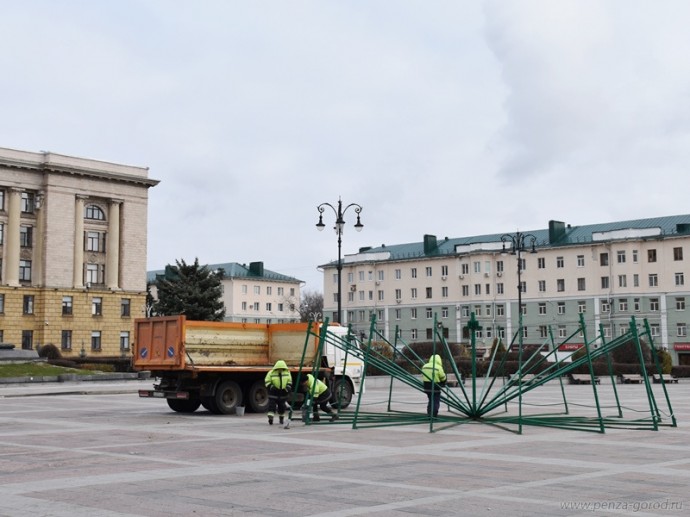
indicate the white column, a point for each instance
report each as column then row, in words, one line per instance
column 112, row 264
column 14, row 205
column 78, row 266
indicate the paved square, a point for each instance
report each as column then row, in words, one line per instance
column 102, row 451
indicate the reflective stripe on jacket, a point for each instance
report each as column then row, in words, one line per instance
column 278, row 377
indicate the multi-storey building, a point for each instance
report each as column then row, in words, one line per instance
column 609, row 272
column 253, row 294
column 72, row 251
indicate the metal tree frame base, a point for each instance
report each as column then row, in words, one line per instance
column 495, row 398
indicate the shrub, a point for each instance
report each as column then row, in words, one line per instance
column 665, row 360
column 627, row 353
column 379, row 350
column 681, row 371
column 49, row 351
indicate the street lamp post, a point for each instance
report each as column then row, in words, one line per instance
column 339, row 227
column 517, row 247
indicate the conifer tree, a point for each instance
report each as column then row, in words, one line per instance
column 192, row 290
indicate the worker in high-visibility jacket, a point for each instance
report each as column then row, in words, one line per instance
column 321, row 394
column 434, row 378
column 278, row 381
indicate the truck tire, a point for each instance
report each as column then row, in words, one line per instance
column 184, row 405
column 228, row 397
column 210, row 404
column 258, row 397
column 342, row 391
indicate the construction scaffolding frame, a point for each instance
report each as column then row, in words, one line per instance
column 496, row 398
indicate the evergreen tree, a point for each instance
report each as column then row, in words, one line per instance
column 192, row 290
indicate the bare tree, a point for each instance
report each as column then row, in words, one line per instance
column 311, row 306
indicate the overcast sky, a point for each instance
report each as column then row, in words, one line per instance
column 450, row 118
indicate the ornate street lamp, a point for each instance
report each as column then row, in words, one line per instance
column 339, row 227
column 517, row 247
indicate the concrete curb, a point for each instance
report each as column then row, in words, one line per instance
column 73, row 377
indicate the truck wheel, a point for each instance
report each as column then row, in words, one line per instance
column 342, row 391
column 228, row 397
column 184, row 406
column 258, row 397
column 210, row 404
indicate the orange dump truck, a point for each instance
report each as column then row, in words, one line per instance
column 222, row 365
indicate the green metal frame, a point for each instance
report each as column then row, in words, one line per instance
column 494, row 402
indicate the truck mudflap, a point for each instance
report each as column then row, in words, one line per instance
column 178, row 395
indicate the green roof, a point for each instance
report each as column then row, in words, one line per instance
column 233, row 270
column 558, row 234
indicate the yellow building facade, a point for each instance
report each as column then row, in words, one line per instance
column 73, row 236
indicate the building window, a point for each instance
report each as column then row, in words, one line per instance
column 66, row 305
column 2, row 200
column 681, row 330
column 465, row 311
column 636, row 280
column 413, row 272
column 543, row 331
column 478, row 289
column 477, row 266
column 464, row 269
column 581, row 307
column 604, row 282
column 444, row 270
column 560, row 262
column 499, row 288
column 428, row 292
column 2, row 304
column 623, row 305
column 413, row 313
column 636, row 304
column 66, row 340
column 413, row 333
column 27, row 339
column 94, row 213
column 542, row 309
column 580, row 261
column 560, row 285
column 651, row 255
column 398, row 274
column 244, row 306
column 541, row 263
column 257, row 289
column 269, row 289
column 94, row 241
column 444, row 292
column 622, row 281
column 26, row 236
column 398, row 294
column 542, row 286
column 28, row 202
column 561, row 308
column 428, row 271
column 381, row 275
column 653, row 280
column 654, row 329
column 634, row 256
column 605, row 306
column 97, row 306
column 620, row 255
column 124, row 340
column 680, row 304
column 25, row 270
column 2, row 233
column 380, row 295
column 604, row 259
column 28, row 304
column 606, row 330
column 680, row 279
column 562, row 331
column 654, row 304
column 269, row 307
column 96, row 340
column 499, row 266
column 125, row 307
column 500, row 310
column 677, row 253
column 581, row 286
column 413, row 293
column 429, row 313
column 95, row 274
column 477, row 310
